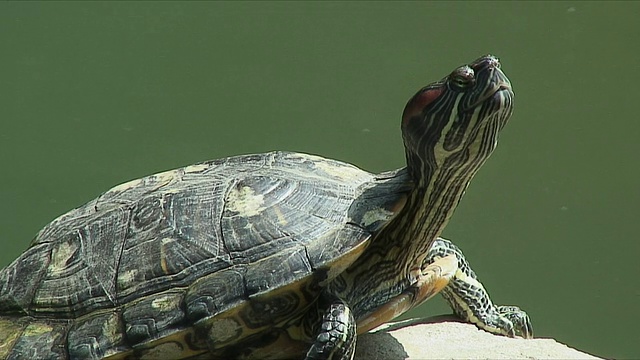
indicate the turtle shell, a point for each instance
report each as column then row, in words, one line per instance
column 193, row 259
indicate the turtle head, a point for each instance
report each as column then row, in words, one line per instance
column 454, row 123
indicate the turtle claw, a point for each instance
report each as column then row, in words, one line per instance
column 508, row 321
column 519, row 320
column 470, row 301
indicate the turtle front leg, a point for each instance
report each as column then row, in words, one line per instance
column 470, row 301
column 336, row 337
column 430, row 280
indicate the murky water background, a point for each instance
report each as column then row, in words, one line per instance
column 94, row 94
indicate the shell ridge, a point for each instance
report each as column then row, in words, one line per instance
column 120, row 255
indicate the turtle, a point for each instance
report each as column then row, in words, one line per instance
column 266, row 256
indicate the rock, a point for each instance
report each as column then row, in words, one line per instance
column 448, row 338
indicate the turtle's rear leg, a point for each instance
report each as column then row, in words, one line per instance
column 470, row 301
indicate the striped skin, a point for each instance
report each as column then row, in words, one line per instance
column 450, row 128
column 470, row 301
column 262, row 256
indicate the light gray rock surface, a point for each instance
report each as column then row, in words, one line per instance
column 447, row 338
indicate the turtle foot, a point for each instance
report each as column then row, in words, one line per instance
column 520, row 323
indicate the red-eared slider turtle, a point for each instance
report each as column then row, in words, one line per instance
column 276, row 255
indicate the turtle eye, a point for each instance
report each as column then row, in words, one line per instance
column 462, row 77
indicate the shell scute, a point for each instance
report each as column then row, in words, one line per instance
column 38, row 339
column 215, row 293
column 83, row 261
column 153, row 315
column 96, row 335
column 175, row 238
column 283, row 267
column 17, row 290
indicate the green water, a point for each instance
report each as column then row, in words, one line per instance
column 94, row 94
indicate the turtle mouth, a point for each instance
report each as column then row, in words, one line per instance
column 502, row 91
column 496, row 93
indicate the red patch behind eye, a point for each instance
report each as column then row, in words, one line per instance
column 418, row 102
